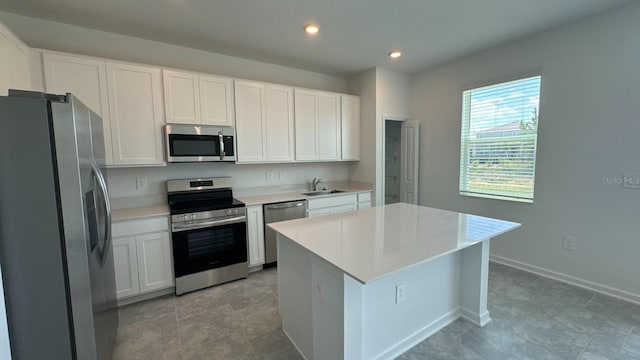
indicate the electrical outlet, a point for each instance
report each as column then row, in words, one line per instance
column 401, row 293
column 269, row 176
column 282, row 176
column 569, row 243
column 141, row 183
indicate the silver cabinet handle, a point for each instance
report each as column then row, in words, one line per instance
column 221, row 139
column 285, row 206
column 107, row 210
column 205, row 224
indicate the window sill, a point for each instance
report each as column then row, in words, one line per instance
column 496, row 197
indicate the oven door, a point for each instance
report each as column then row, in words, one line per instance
column 208, row 245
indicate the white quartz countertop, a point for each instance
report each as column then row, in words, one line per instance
column 371, row 243
column 139, row 212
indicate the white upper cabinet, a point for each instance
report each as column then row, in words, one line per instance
column 306, row 124
column 216, row 100
column 86, row 79
column 329, row 143
column 14, row 62
column 181, row 97
column 197, row 99
column 350, row 109
column 264, row 122
column 317, row 122
column 5, row 61
column 279, row 123
column 250, row 124
column 135, row 106
column 19, row 59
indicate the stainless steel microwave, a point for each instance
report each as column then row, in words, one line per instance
column 199, row 143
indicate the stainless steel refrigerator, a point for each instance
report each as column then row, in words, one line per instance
column 55, row 242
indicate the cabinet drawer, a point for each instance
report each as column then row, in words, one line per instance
column 364, row 197
column 332, row 201
column 139, row 226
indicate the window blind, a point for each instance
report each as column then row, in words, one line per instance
column 498, row 140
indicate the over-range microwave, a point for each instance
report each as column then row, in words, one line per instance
column 199, row 143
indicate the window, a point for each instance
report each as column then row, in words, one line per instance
column 498, row 141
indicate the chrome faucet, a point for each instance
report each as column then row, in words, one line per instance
column 314, row 183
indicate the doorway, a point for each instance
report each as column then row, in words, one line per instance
column 392, row 130
column 400, row 165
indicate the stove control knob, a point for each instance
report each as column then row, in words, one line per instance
column 185, row 217
column 229, row 212
column 194, row 217
column 236, row 211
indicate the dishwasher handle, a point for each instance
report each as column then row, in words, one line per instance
column 285, row 205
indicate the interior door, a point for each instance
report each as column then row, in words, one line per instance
column 409, row 145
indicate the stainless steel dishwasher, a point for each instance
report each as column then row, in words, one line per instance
column 279, row 212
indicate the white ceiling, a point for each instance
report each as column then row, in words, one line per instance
column 354, row 34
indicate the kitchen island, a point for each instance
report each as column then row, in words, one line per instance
column 372, row 283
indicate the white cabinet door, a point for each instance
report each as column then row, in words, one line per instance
column 250, row 129
column 344, row 208
column 328, row 135
column 5, row 61
column 318, row 212
column 350, row 119
column 19, row 59
column 135, row 106
column 86, row 79
column 255, row 235
column 216, row 100
column 306, row 122
column 154, row 261
column 279, row 123
column 126, row 266
column 364, row 205
column 181, row 97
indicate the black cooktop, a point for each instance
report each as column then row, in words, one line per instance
column 197, row 201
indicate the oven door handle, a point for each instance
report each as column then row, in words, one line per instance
column 205, row 224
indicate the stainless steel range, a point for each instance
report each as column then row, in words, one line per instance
column 208, row 231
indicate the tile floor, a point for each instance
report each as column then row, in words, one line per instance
column 533, row 318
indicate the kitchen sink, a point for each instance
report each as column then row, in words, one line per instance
column 322, row 192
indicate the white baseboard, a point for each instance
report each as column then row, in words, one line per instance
column 572, row 280
column 294, row 344
column 476, row 319
column 146, row 296
column 412, row 340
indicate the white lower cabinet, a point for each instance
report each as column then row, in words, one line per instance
column 364, row 200
column 255, row 235
column 142, row 256
column 126, row 265
column 338, row 204
column 332, row 205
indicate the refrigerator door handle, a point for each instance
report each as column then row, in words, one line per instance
column 107, row 210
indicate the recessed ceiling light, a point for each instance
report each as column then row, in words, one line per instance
column 395, row 54
column 311, row 29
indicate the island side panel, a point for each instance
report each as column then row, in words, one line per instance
column 475, row 283
column 294, row 294
column 328, row 310
column 432, row 301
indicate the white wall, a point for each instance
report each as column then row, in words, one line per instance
column 62, row 37
column 364, row 84
column 383, row 93
column 122, row 181
column 589, row 129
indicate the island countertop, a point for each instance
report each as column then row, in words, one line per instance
column 371, row 243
